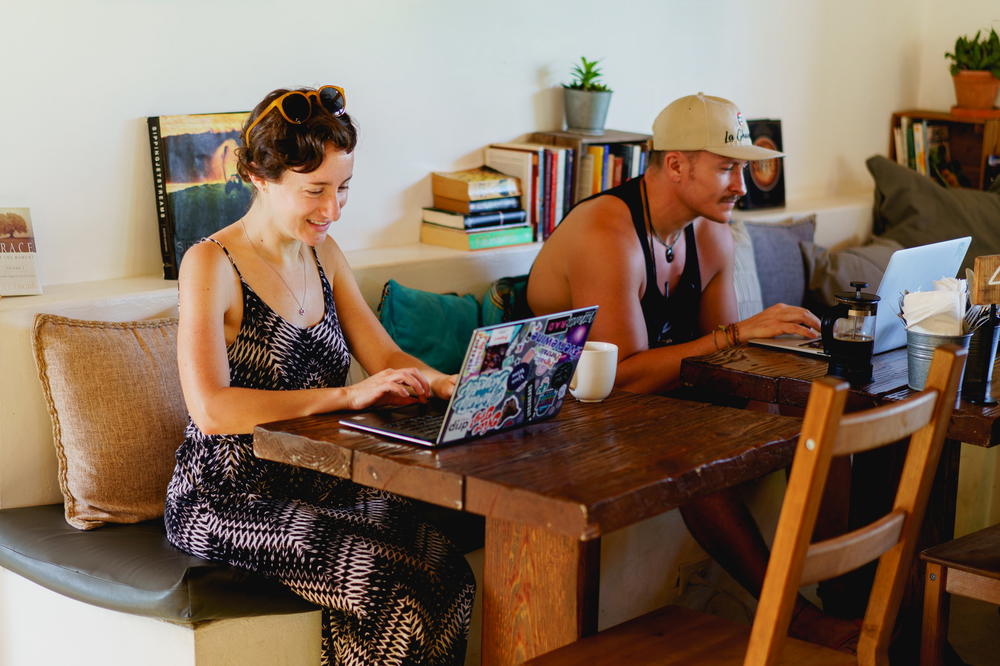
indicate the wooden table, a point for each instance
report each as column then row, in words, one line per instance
column 784, row 378
column 549, row 491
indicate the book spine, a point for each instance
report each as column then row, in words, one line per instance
column 559, row 164
column 570, row 196
column 496, row 218
column 550, row 192
column 907, row 126
column 585, row 177
column 488, row 189
column 597, row 153
column 919, row 155
column 164, row 218
column 899, row 145
column 626, row 157
column 609, row 168
column 481, row 206
column 521, row 164
column 499, row 238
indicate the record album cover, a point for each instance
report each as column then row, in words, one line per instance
column 765, row 179
column 198, row 190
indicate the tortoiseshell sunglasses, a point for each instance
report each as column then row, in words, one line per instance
column 296, row 106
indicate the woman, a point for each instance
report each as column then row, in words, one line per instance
column 269, row 313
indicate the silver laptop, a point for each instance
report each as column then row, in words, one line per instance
column 911, row 269
column 513, row 374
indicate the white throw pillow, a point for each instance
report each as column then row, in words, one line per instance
column 745, row 281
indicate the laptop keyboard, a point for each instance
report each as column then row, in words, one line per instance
column 425, row 426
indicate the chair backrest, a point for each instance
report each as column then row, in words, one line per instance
column 827, row 432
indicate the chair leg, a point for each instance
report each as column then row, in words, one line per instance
column 935, row 624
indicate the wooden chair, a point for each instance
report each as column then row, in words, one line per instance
column 675, row 635
column 968, row 566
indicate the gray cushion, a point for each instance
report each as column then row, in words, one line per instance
column 830, row 272
column 780, row 268
column 914, row 210
column 133, row 569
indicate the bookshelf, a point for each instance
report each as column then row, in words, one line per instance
column 971, row 141
column 579, row 142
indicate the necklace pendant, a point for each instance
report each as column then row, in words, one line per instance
column 670, row 255
column 302, row 312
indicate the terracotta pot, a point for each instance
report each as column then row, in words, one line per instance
column 976, row 89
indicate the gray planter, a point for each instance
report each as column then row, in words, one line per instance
column 586, row 111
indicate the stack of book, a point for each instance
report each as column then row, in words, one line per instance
column 476, row 209
column 546, row 174
column 556, row 175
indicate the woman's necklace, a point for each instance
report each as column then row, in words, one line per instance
column 652, row 232
column 305, row 283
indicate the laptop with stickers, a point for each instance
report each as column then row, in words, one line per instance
column 513, row 374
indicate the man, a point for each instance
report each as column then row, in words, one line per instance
column 656, row 255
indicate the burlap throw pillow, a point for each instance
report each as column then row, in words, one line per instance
column 117, row 411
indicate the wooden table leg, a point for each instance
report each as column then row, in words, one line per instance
column 935, row 625
column 539, row 591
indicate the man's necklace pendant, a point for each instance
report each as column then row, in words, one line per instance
column 670, row 254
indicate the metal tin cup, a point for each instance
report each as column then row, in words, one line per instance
column 919, row 350
column 979, row 365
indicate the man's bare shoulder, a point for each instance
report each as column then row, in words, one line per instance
column 715, row 239
column 604, row 220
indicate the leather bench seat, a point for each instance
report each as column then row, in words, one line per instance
column 133, row 569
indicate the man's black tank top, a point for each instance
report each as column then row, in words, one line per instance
column 670, row 318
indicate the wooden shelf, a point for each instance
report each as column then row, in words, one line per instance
column 971, row 140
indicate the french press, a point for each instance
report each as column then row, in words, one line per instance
column 849, row 334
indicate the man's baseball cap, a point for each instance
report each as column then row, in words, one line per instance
column 703, row 122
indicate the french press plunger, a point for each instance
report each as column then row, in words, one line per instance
column 849, row 334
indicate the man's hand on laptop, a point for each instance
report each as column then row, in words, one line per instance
column 780, row 319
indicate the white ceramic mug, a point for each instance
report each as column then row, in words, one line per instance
column 595, row 373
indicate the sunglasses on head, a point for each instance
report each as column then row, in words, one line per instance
column 296, row 107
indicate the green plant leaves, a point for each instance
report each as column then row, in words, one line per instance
column 586, row 76
column 976, row 53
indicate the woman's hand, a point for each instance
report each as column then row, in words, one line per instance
column 389, row 387
column 779, row 319
column 443, row 386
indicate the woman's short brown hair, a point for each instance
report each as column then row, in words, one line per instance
column 278, row 145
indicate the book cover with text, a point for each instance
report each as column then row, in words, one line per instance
column 18, row 253
column 197, row 188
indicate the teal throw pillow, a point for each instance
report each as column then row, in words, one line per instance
column 435, row 328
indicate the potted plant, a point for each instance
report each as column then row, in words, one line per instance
column 975, row 70
column 586, row 99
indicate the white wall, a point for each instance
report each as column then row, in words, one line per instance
column 431, row 83
column 938, row 33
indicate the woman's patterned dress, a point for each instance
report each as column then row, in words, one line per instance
column 394, row 590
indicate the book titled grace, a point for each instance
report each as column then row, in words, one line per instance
column 18, row 271
column 198, row 190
